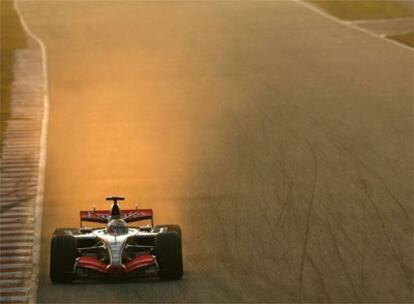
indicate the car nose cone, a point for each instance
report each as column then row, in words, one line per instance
column 115, row 269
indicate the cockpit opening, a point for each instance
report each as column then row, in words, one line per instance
column 117, row 226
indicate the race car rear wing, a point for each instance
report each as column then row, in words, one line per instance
column 103, row 216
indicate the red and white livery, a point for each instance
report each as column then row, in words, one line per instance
column 116, row 250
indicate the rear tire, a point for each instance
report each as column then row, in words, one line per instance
column 169, row 255
column 62, row 258
column 171, row 227
column 66, row 231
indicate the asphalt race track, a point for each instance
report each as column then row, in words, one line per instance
column 281, row 142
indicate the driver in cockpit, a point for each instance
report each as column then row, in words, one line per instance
column 117, row 226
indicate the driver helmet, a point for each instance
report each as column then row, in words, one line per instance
column 117, row 226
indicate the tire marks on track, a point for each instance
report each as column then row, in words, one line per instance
column 308, row 221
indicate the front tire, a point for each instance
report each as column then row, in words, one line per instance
column 169, row 255
column 62, row 258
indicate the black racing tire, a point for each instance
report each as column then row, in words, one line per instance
column 171, row 227
column 62, row 258
column 169, row 255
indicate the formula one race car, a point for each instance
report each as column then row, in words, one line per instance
column 116, row 250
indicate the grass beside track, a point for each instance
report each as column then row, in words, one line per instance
column 407, row 38
column 364, row 9
column 12, row 38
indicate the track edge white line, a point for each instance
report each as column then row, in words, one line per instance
column 349, row 24
column 42, row 159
